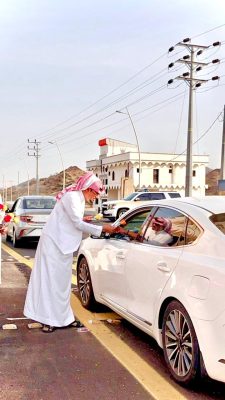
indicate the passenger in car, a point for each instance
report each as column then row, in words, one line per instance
column 159, row 233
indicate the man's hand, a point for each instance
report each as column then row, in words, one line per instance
column 87, row 218
column 109, row 229
column 3, row 230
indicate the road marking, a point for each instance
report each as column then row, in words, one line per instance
column 157, row 386
column 25, row 261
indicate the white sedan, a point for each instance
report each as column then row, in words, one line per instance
column 172, row 289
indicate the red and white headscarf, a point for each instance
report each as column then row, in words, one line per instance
column 89, row 180
column 164, row 222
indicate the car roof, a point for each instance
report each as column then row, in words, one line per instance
column 37, row 197
column 212, row 204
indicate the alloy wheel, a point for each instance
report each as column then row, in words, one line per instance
column 85, row 285
column 180, row 344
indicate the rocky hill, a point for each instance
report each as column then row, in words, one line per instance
column 47, row 186
column 212, row 177
column 53, row 184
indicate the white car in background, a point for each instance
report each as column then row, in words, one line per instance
column 30, row 215
column 173, row 292
column 113, row 209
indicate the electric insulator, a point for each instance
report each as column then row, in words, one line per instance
column 171, row 49
column 215, row 78
column 198, row 69
column 170, row 81
column 170, row 65
column 216, row 44
column 198, row 85
column 199, row 52
column 186, row 57
column 186, row 40
column 215, row 61
column 186, row 74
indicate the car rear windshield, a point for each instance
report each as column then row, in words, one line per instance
column 41, row 203
column 219, row 221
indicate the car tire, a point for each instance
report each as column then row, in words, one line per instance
column 15, row 240
column 85, row 285
column 121, row 212
column 180, row 344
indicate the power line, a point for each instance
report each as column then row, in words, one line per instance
column 108, row 94
column 210, row 30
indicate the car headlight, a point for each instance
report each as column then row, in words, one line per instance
column 111, row 206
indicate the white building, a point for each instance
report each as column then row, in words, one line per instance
column 118, row 168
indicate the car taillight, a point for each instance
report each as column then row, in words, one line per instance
column 26, row 218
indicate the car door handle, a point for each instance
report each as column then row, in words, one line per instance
column 120, row 255
column 162, row 266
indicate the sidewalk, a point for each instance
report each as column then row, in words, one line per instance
column 65, row 364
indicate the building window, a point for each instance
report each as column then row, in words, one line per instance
column 106, row 181
column 170, row 170
column 113, row 176
column 155, row 175
column 194, row 172
column 109, row 173
column 126, row 173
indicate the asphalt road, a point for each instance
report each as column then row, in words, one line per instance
column 147, row 350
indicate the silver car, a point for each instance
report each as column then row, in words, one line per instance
column 30, row 215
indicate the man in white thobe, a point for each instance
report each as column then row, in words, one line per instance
column 48, row 295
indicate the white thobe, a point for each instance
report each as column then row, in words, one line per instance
column 158, row 238
column 48, row 294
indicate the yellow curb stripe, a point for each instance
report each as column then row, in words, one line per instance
column 17, row 256
column 157, row 386
column 25, row 261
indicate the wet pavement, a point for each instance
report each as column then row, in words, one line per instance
column 66, row 364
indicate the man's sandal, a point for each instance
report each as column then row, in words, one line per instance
column 76, row 324
column 48, row 328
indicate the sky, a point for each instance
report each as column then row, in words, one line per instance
column 68, row 66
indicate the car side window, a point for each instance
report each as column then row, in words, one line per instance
column 134, row 223
column 157, row 196
column 192, row 232
column 142, row 197
column 166, row 228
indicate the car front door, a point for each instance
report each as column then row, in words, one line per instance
column 111, row 262
column 149, row 266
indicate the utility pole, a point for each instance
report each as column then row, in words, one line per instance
column 194, row 82
column 61, row 158
column 36, row 154
column 137, row 141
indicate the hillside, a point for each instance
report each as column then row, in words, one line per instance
column 53, row 184
column 212, row 178
column 47, row 186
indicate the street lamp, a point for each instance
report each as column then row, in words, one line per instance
column 139, row 153
column 60, row 154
